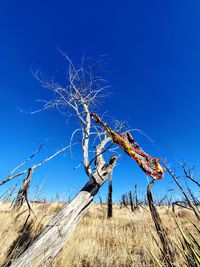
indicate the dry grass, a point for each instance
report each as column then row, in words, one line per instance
column 124, row 240
column 14, row 234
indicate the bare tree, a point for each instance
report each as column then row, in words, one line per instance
column 9, row 193
column 188, row 173
column 22, row 194
column 136, row 197
column 186, row 196
column 131, row 200
column 82, row 93
column 124, row 201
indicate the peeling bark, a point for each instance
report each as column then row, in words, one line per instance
column 55, row 234
column 46, row 247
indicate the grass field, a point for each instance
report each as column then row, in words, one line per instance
column 127, row 239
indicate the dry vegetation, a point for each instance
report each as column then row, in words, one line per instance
column 127, row 239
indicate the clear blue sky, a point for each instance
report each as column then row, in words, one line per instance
column 153, row 49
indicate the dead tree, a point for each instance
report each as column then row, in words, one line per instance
column 131, row 201
column 167, row 248
column 83, row 92
column 9, row 193
column 162, row 201
column 109, row 201
column 22, row 195
column 12, row 173
column 124, row 201
column 136, row 198
column 100, row 201
column 189, row 201
column 188, row 176
column 182, row 204
column 188, row 173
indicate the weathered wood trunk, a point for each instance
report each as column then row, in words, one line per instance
column 109, row 208
column 136, row 198
column 167, row 247
column 47, row 246
column 22, row 195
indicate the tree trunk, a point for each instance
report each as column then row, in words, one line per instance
column 22, row 195
column 110, row 213
column 167, row 247
column 47, row 246
column 136, row 198
column 131, row 200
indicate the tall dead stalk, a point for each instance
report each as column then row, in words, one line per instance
column 109, row 201
column 167, row 248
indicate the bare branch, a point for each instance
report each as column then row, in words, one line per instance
column 188, row 173
column 28, row 159
column 173, row 175
column 35, row 166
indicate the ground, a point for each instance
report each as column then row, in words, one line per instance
column 127, row 239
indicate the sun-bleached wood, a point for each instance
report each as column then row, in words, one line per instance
column 83, row 91
column 47, row 246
